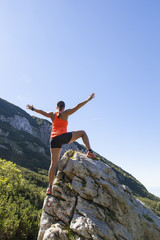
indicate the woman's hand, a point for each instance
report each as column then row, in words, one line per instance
column 91, row 96
column 29, row 107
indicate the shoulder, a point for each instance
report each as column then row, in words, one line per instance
column 51, row 115
column 67, row 112
column 64, row 115
column 71, row 110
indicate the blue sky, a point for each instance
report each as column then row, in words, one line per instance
column 66, row 49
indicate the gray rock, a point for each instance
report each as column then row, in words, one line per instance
column 88, row 222
column 4, row 133
column 21, row 123
column 88, row 200
column 55, row 232
column 86, row 187
column 46, row 222
column 2, row 146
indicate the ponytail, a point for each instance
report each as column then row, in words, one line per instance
column 60, row 106
column 59, row 112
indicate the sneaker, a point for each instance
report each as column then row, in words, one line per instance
column 91, row 155
column 49, row 191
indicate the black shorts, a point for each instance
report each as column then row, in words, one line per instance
column 58, row 141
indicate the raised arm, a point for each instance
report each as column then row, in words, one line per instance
column 78, row 106
column 46, row 114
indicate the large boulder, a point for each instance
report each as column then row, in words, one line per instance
column 89, row 203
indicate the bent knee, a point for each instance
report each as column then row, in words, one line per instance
column 83, row 132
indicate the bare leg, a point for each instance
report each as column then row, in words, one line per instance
column 55, row 155
column 81, row 134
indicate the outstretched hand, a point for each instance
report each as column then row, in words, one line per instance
column 29, row 106
column 91, row 96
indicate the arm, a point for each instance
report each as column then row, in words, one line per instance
column 78, row 106
column 46, row 114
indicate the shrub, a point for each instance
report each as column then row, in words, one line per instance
column 20, row 204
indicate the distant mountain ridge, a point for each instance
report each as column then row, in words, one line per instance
column 24, row 140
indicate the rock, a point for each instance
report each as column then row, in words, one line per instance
column 2, row 146
column 73, row 146
column 55, row 232
column 21, row 123
column 4, row 133
column 88, row 222
column 89, row 202
column 86, row 187
column 34, row 147
column 46, row 222
column 18, row 122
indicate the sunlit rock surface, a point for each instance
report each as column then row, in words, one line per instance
column 89, row 203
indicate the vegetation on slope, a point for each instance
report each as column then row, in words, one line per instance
column 22, row 193
column 154, row 205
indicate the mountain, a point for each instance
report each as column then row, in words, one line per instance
column 24, row 140
column 89, row 203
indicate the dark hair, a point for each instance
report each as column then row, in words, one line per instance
column 60, row 106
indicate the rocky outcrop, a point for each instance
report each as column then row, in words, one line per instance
column 74, row 147
column 41, row 132
column 18, row 122
column 89, row 203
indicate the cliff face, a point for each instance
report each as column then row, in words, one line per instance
column 25, row 142
column 89, row 203
column 41, row 131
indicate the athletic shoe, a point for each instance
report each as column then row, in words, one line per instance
column 91, row 155
column 49, row 191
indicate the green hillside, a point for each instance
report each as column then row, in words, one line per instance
column 22, row 193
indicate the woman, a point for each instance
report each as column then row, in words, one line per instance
column 60, row 136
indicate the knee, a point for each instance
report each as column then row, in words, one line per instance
column 83, row 133
column 51, row 165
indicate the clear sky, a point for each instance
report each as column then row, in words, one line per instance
column 65, row 50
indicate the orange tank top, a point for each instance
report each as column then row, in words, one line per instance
column 59, row 126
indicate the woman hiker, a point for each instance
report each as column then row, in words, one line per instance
column 60, row 136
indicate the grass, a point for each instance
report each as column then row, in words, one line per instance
column 69, row 187
column 70, row 234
